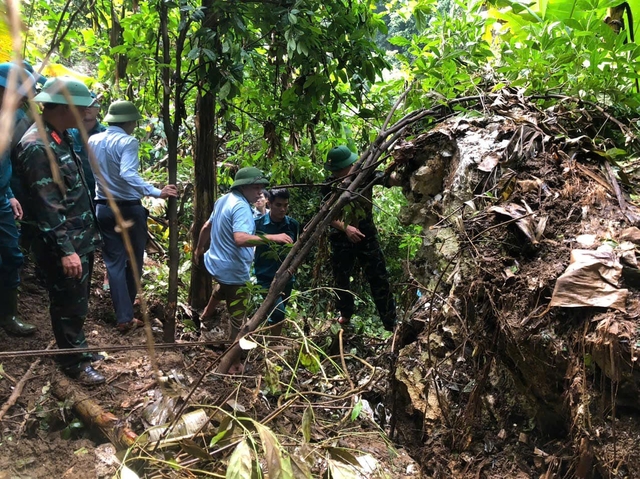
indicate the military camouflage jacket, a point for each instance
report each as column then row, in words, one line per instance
column 62, row 212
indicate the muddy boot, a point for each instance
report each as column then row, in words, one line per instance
column 84, row 374
column 9, row 320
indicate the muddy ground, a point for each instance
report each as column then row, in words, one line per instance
column 35, row 442
column 40, row 435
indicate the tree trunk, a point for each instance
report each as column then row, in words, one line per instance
column 204, row 161
column 115, row 39
column 171, row 131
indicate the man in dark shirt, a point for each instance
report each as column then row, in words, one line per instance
column 269, row 256
column 355, row 238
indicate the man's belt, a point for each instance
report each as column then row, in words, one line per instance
column 120, row 203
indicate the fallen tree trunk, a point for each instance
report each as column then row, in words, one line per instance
column 92, row 414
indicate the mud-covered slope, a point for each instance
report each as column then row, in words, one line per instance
column 500, row 383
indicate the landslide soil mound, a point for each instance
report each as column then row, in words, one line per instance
column 499, row 383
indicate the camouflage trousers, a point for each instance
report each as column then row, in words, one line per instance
column 10, row 255
column 344, row 255
column 68, row 302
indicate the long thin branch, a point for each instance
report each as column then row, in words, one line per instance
column 108, row 348
column 56, row 40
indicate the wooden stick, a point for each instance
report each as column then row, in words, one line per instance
column 17, row 390
column 108, row 348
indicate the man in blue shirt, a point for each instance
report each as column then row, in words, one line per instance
column 92, row 126
column 10, row 209
column 229, row 239
column 269, row 257
column 116, row 153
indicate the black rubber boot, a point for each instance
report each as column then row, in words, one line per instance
column 9, row 320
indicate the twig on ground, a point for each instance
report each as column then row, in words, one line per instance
column 17, row 391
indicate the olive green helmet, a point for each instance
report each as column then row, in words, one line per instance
column 249, row 176
column 339, row 158
column 65, row 91
column 122, row 111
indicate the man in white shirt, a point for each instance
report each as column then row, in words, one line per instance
column 116, row 152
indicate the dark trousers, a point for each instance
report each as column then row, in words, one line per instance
column 11, row 258
column 68, row 302
column 368, row 254
column 116, row 258
column 278, row 312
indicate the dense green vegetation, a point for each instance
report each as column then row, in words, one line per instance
column 276, row 83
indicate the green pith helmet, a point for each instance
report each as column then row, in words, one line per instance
column 54, row 89
column 122, row 111
column 249, row 176
column 339, row 158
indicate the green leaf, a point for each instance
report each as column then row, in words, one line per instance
column 240, row 462
column 355, row 412
column 399, row 41
column 310, row 361
column 225, row 429
column 279, row 467
column 194, row 53
column 302, row 49
column 224, row 91
column 307, row 421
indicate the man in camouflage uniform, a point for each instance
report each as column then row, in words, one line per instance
column 269, row 257
column 13, row 81
column 60, row 206
column 356, row 238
